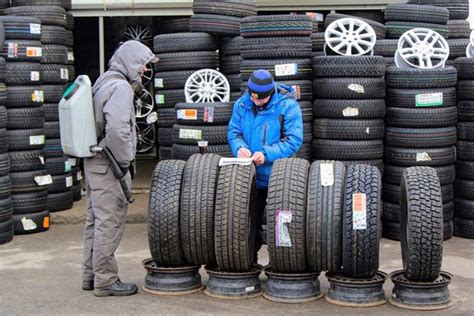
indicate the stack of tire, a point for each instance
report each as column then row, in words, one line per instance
column 458, row 28
column 420, row 131
column 56, row 76
column 222, row 17
column 317, row 44
column 349, row 108
column 464, row 185
column 230, row 60
column 181, row 54
column 70, row 46
column 404, row 17
column 282, row 45
column 26, row 136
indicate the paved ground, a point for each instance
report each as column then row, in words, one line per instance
column 40, row 274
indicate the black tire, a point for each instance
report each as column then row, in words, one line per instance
column 349, row 88
column 276, row 25
column 165, row 136
column 49, row 15
column 466, row 110
column 393, row 174
column 464, row 228
column 465, row 169
column 22, row 73
column 303, row 89
column 230, row 64
column 5, row 187
column 189, row 135
column 53, row 93
column 51, row 34
column 386, row 48
column 4, row 141
column 328, row 149
column 25, row 118
column 69, row 21
column 188, row 61
column 184, row 42
column 69, row 39
column 421, row 224
column 465, row 131
column 458, row 9
column 197, row 208
column 60, row 201
column 234, row 223
column 348, row 129
column 464, row 89
column 457, row 47
column 306, row 111
column 465, row 150
column 24, row 50
column 464, row 189
column 61, row 183
column 51, row 112
column 396, row 29
column 6, row 209
column 459, row 29
column 203, row 113
column 465, row 67
column 76, row 193
column 26, row 160
column 27, row 96
column 361, row 246
column 391, row 193
column 24, row 181
column 6, row 231
column 66, row 4
column 416, row 13
column 55, row 54
column 305, row 152
column 324, row 218
column 172, row 79
column 287, row 190
column 432, row 157
column 231, row 46
column 374, row 15
column 57, row 166
column 276, row 47
column 234, row 81
column 4, row 164
column 164, row 237
column 3, row 93
column 22, row 139
column 55, row 74
column 348, row 66
column 3, row 117
column 304, row 68
column 351, row 109
column 421, row 117
column 379, row 28
column 464, row 209
column 317, row 42
column 165, row 153
column 38, row 222
column 391, row 230
column 225, row 7
column 173, row 25
column 53, row 148
column 413, row 98
column 184, row 152
column 19, row 27
column 71, row 72
column 215, row 24
column 166, row 117
column 51, row 130
column 415, row 78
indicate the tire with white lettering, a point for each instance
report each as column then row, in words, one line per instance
column 31, row 223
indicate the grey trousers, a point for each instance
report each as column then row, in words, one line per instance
column 105, row 222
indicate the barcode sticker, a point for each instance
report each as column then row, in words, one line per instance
column 37, row 140
column 34, row 52
column 190, row 133
column 327, row 174
column 188, row 114
column 35, row 28
column 286, row 70
column 68, row 182
column 34, row 75
column 359, row 211
column 37, row 96
column 64, row 73
column 282, row 232
column 159, row 83
column 28, row 224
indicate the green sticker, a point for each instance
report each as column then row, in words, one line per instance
column 429, row 99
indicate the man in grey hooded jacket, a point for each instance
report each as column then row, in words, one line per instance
column 107, row 206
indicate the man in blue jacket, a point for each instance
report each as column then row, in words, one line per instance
column 266, row 125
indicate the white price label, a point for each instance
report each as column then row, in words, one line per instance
column 35, row 76
column 35, row 28
column 429, row 99
column 67, row 166
column 235, row 161
column 79, row 176
column 359, row 211
column 12, row 50
column 327, row 174
column 209, row 114
column 28, row 224
column 282, row 232
column 367, row 130
column 37, row 140
column 160, row 98
column 190, row 133
column 72, row 161
column 70, row 56
column 64, row 73
column 34, row 52
column 350, row 112
column 422, row 157
column 159, row 83
column 286, row 70
column 68, row 182
column 37, row 96
column 188, row 114
column 356, row 88
column 41, row 158
column 249, row 288
column 43, row 180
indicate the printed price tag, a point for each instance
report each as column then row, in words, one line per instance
column 422, row 157
column 188, row 114
column 67, row 166
column 235, row 161
column 359, row 211
column 34, row 52
column 37, row 140
column 350, row 112
column 160, row 98
column 190, row 133
column 159, row 83
column 43, row 180
column 12, row 50
column 297, row 89
column 70, row 56
column 79, row 176
column 72, row 161
column 249, row 288
column 68, row 182
column 286, row 70
column 35, row 28
column 34, row 76
column 429, row 99
column 64, row 73
column 356, row 88
column 28, row 224
column 37, row 96
column 209, row 114
column 282, row 238
column 327, row 174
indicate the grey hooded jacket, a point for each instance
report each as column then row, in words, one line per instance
column 113, row 100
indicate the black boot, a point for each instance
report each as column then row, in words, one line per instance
column 117, row 289
column 87, row 285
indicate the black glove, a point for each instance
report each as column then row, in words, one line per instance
column 133, row 168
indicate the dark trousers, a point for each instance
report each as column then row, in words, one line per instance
column 260, row 219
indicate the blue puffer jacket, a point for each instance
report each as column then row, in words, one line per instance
column 277, row 131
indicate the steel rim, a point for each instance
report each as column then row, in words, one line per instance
column 207, row 86
column 144, row 103
column 139, row 33
column 423, row 48
column 145, row 137
column 148, row 75
column 350, row 37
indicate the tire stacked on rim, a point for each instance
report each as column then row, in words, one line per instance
column 282, row 45
column 230, row 60
column 464, row 185
column 222, row 17
column 420, row 131
column 26, row 136
column 404, row 17
column 181, row 54
column 349, row 108
column 55, row 78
